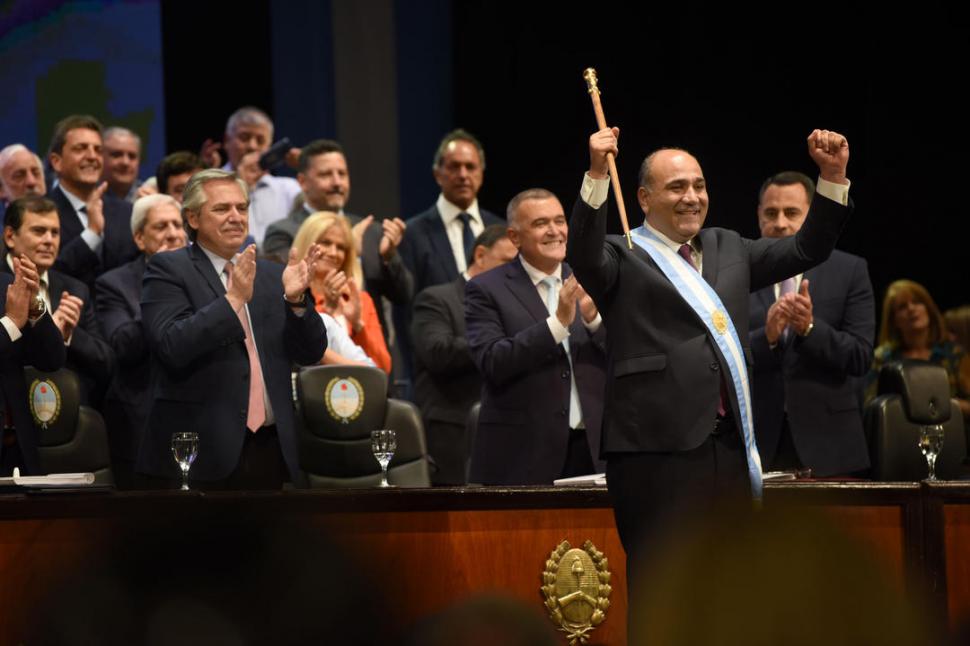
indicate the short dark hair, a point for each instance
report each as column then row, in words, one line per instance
column 459, row 134
column 179, row 162
column 67, row 124
column 317, row 147
column 492, row 234
column 644, row 177
column 787, row 178
column 14, row 216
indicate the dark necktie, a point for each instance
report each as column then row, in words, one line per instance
column 684, row 253
column 467, row 237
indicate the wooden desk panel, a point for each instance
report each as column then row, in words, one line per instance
column 426, row 559
column 431, row 548
column 879, row 528
column 885, row 517
column 957, row 540
column 442, row 557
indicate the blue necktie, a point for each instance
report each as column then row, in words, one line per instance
column 467, row 238
column 552, row 304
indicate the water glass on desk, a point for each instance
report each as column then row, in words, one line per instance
column 930, row 443
column 383, row 443
column 185, row 448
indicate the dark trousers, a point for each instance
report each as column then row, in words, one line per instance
column 10, row 455
column 448, row 447
column 579, row 458
column 657, row 495
column 786, row 456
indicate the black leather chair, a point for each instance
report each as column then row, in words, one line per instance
column 336, row 409
column 913, row 394
column 71, row 437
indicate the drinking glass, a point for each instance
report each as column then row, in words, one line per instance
column 383, row 443
column 930, row 443
column 185, row 448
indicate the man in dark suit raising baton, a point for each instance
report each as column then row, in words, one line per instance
column 677, row 427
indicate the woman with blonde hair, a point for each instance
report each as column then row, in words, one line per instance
column 336, row 285
column 913, row 328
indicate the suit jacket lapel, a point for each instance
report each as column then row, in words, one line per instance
column 457, row 305
column 812, row 275
column 133, row 296
column 204, row 266
column 54, row 289
column 766, row 295
column 577, row 325
column 709, row 251
column 442, row 248
column 71, row 227
column 522, row 288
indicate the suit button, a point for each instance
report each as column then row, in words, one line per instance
column 715, row 367
column 564, row 411
column 565, row 374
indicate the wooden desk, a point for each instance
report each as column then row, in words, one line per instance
column 447, row 544
column 441, row 545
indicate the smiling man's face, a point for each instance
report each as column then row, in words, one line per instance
column 38, row 238
column 675, row 198
column 78, row 164
column 223, row 221
column 539, row 231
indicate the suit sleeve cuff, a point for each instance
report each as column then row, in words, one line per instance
column 835, row 192
column 594, row 191
column 12, row 330
column 558, row 330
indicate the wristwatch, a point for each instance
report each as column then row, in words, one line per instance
column 808, row 330
column 299, row 303
column 37, row 308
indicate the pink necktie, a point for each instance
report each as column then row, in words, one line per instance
column 684, row 252
column 256, row 415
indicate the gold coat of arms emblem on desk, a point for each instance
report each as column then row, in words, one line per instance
column 576, row 587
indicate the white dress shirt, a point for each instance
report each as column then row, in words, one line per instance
column 92, row 239
column 455, row 228
column 219, row 264
column 340, row 342
column 560, row 333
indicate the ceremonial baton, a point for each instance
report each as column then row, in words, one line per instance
column 594, row 93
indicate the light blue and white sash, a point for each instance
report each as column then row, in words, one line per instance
column 709, row 308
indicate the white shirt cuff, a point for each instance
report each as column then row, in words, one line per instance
column 559, row 331
column 595, row 324
column 12, row 330
column 92, row 239
column 835, row 192
column 594, row 191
